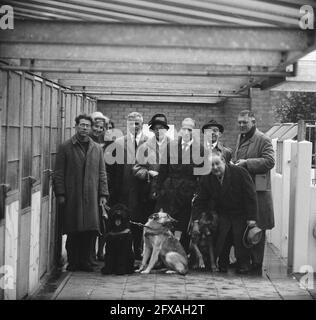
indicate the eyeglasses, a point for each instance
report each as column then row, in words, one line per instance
column 84, row 125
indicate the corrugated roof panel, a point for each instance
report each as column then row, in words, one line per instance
column 285, row 13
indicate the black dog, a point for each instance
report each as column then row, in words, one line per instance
column 119, row 255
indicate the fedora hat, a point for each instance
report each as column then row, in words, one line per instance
column 213, row 123
column 158, row 119
column 252, row 236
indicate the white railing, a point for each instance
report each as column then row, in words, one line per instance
column 294, row 197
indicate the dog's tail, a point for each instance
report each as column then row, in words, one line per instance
column 177, row 262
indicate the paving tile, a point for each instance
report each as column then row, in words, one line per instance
column 275, row 284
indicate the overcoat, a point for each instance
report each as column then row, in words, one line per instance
column 177, row 182
column 234, row 201
column 126, row 185
column 227, row 152
column 81, row 179
column 259, row 153
column 149, row 157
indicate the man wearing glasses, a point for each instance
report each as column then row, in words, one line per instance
column 80, row 185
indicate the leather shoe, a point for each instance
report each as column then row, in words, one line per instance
column 242, row 270
column 71, row 267
column 86, row 267
column 93, row 263
column 256, row 269
column 222, row 269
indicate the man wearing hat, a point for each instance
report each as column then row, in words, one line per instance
column 212, row 131
column 177, row 182
column 148, row 159
column 126, row 185
column 230, row 190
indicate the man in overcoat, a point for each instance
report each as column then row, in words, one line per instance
column 177, row 180
column 148, row 159
column 230, row 190
column 80, row 186
column 126, row 185
column 255, row 153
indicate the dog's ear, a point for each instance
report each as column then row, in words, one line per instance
column 154, row 216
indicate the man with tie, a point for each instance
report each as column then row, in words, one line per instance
column 126, row 186
column 230, row 190
column 212, row 131
column 177, row 181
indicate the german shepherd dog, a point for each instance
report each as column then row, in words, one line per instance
column 119, row 255
column 159, row 242
column 202, row 244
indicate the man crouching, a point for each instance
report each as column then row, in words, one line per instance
column 233, row 196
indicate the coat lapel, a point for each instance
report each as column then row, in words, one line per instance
column 78, row 148
column 91, row 145
column 226, row 181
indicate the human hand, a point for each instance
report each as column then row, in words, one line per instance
column 154, row 195
column 195, row 228
column 241, row 163
column 251, row 223
column 153, row 173
column 103, row 202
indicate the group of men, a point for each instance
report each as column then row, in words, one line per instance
column 151, row 173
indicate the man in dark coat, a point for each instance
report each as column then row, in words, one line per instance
column 230, row 190
column 80, row 186
column 126, row 185
column 254, row 152
column 212, row 131
column 177, row 180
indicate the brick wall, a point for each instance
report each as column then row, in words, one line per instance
column 262, row 105
column 226, row 114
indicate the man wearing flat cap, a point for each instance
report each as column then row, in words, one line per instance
column 212, row 131
column 177, row 182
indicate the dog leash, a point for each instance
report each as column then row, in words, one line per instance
column 141, row 225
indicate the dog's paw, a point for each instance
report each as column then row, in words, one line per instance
column 171, row 272
column 141, row 268
column 201, row 264
column 145, row 271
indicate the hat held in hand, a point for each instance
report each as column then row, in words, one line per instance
column 252, row 236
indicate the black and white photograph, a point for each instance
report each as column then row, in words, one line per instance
column 157, row 154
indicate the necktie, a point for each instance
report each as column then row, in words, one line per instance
column 220, row 180
column 135, row 142
column 185, row 146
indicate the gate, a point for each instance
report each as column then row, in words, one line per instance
column 35, row 117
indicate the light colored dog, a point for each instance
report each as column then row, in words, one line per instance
column 159, row 241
